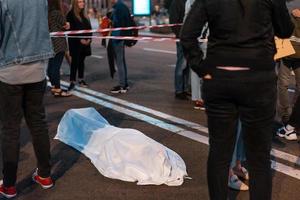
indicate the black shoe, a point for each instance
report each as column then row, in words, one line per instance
column 71, row 87
column 181, row 96
column 118, row 89
column 188, row 94
column 82, row 83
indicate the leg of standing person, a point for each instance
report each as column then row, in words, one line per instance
column 119, row 53
column 81, row 68
column 255, row 101
column 284, row 77
column 179, row 73
column 35, row 116
column 257, row 116
column 50, row 71
column 55, row 68
column 237, row 172
column 297, row 78
column 11, row 99
column 125, row 69
column 295, row 116
column 222, row 115
column 196, row 83
column 74, row 67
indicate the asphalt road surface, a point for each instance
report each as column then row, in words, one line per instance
column 150, row 107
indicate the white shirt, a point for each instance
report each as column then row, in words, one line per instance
column 24, row 74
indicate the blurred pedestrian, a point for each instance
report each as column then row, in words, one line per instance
column 25, row 48
column 79, row 48
column 239, row 83
column 94, row 17
column 57, row 22
column 156, row 14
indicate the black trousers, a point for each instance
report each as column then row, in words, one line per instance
column 250, row 97
column 77, row 64
column 54, row 69
column 17, row 101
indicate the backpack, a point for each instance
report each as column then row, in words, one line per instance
column 131, row 33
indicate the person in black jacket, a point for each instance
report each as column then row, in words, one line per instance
column 177, row 12
column 79, row 48
column 239, row 82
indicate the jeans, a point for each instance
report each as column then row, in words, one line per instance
column 53, row 69
column 16, row 101
column 239, row 149
column 77, row 64
column 284, row 77
column 250, row 97
column 119, row 53
column 181, row 71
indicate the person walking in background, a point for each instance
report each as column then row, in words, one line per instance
column 181, row 78
column 57, row 22
column 120, row 18
column 22, row 87
column 239, row 82
column 79, row 48
column 94, row 17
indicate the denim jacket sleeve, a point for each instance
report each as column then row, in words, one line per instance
column 190, row 32
column 283, row 26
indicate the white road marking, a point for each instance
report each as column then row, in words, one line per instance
column 290, row 171
column 95, row 56
column 160, row 51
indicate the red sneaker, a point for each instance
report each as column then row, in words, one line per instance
column 199, row 105
column 8, row 192
column 46, row 183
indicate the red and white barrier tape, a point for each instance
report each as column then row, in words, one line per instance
column 154, row 39
column 111, row 29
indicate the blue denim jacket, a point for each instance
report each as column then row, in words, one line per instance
column 24, row 33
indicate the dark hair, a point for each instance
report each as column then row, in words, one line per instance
column 55, row 5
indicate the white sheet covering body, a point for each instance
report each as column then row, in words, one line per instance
column 124, row 154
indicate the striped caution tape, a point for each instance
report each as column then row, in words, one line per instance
column 111, row 29
column 155, row 39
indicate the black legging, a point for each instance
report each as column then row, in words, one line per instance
column 77, row 64
column 295, row 116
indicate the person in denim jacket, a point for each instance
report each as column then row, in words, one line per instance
column 25, row 48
